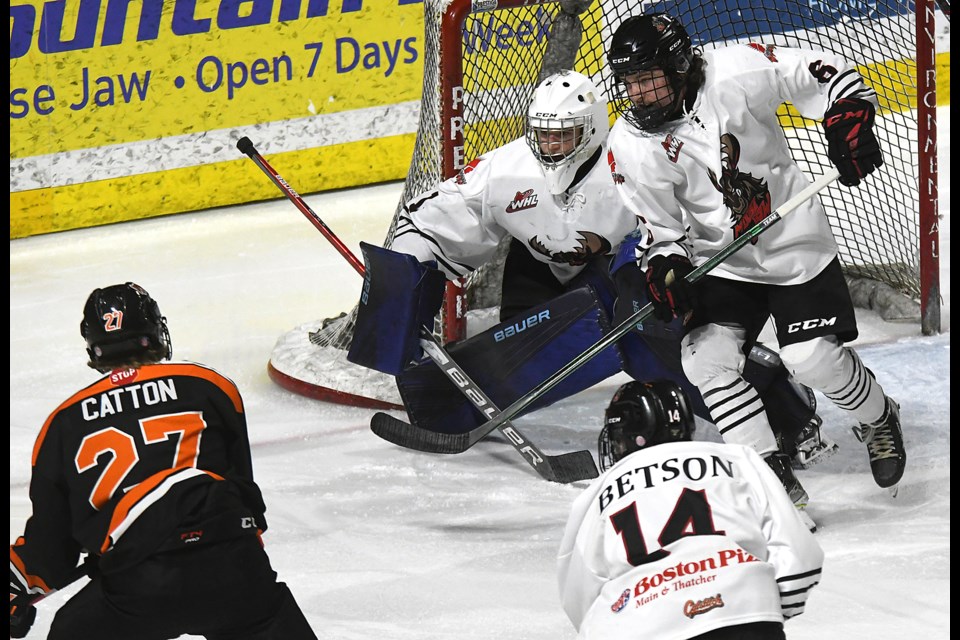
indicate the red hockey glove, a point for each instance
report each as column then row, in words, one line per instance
column 678, row 298
column 851, row 145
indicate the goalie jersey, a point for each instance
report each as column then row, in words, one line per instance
column 123, row 464
column 702, row 181
column 682, row 538
column 503, row 193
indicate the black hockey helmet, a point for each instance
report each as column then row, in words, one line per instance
column 641, row 415
column 642, row 43
column 123, row 326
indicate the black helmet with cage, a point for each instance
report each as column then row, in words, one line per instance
column 642, row 415
column 123, row 326
column 647, row 42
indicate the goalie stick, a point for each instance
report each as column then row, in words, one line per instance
column 412, row 437
column 563, row 468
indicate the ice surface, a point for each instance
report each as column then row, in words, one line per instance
column 379, row 542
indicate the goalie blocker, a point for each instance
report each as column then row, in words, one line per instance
column 400, row 295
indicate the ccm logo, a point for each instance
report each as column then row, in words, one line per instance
column 813, row 323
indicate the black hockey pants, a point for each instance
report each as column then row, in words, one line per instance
column 223, row 591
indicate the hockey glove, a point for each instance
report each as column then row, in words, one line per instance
column 22, row 613
column 674, row 300
column 851, row 145
column 21, row 619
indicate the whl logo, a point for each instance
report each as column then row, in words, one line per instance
column 523, row 200
column 672, row 146
column 617, row 176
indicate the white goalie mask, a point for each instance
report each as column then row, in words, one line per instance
column 566, row 122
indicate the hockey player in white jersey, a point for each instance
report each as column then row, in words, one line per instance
column 551, row 191
column 681, row 539
column 700, row 155
column 541, row 189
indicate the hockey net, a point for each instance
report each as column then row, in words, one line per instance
column 482, row 59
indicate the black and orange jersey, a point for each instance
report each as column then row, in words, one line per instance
column 123, row 461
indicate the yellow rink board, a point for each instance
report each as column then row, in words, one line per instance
column 134, row 197
column 237, row 182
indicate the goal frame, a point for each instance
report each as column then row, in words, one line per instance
column 451, row 91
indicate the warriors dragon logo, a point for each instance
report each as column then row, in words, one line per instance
column 747, row 197
column 590, row 245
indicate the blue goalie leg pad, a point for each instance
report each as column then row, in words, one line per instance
column 399, row 296
column 510, row 359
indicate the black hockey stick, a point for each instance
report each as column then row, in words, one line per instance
column 564, row 468
column 412, row 437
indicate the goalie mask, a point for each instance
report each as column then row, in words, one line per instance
column 641, row 415
column 651, row 57
column 123, row 326
column 567, row 121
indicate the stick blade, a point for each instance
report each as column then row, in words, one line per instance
column 410, row 437
column 573, row 467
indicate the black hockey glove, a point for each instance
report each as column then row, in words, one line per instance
column 21, row 619
column 675, row 300
column 851, row 145
column 22, row 613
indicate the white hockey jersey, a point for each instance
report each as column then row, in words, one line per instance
column 702, row 181
column 503, row 193
column 682, row 538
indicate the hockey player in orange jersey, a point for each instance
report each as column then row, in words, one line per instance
column 148, row 471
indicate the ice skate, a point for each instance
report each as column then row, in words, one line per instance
column 780, row 463
column 884, row 441
column 813, row 447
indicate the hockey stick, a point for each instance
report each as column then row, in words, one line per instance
column 409, row 436
column 563, row 468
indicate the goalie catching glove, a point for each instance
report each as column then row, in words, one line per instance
column 851, row 145
column 675, row 299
